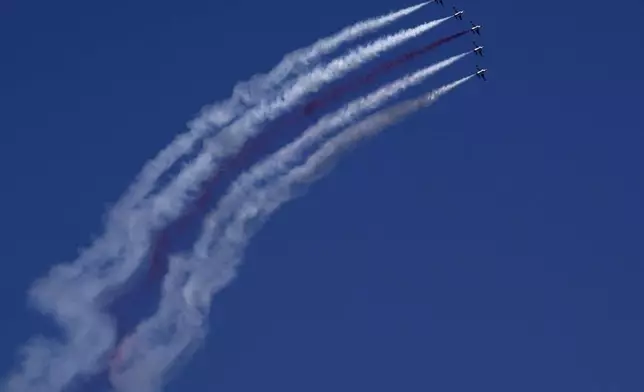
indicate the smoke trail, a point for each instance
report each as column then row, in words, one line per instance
column 291, row 153
column 172, row 200
column 181, row 322
column 329, row 44
column 324, row 126
column 301, row 174
column 200, row 204
column 323, row 159
column 402, row 59
column 249, row 93
column 73, row 293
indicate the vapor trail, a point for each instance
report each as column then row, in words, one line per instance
column 169, row 203
column 74, row 292
column 191, row 282
column 357, row 108
column 172, row 200
column 383, row 67
column 176, row 195
column 246, row 94
column 287, row 156
column 329, row 44
column 159, row 244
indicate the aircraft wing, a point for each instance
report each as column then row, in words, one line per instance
column 483, row 76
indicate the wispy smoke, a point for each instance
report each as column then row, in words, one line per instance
column 74, row 293
column 181, row 323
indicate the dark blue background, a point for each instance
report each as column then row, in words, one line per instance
column 491, row 242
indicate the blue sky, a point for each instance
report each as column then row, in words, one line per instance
column 490, row 242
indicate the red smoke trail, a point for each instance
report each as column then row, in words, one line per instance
column 159, row 247
column 404, row 58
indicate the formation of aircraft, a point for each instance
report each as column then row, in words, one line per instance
column 476, row 29
column 480, row 73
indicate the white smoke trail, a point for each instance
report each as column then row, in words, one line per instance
column 117, row 259
column 288, row 155
column 249, row 93
column 73, row 292
column 136, row 225
column 169, row 203
column 173, row 199
column 191, row 283
column 324, row 46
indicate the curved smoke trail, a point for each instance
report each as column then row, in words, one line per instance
column 181, row 323
column 173, row 199
column 170, row 203
column 249, row 93
column 198, row 207
column 74, row 293
column 384, row 67
column 286, row 157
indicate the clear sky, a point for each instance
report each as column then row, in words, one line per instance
column 492, row 242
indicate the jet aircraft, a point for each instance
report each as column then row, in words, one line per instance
column 476, row 29
column 458, row 14
column 478, row 49
column 480, row 73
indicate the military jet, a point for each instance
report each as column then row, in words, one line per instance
column 476, row 29
column 458, row 14
column 478, row 49
column 480, row 73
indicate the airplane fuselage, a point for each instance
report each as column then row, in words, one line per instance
column 459, row 13
column 481, row 72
